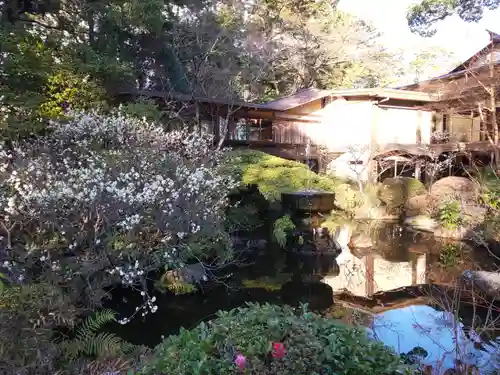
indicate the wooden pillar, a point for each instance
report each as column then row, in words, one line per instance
column 372, row 170
column 370, row 275
column 414, row 269
column 418, row 135
column 450, row 131
column 418, row 167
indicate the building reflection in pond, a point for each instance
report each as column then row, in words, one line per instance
column 372, row 273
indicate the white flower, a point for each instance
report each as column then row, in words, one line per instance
column 148, row 184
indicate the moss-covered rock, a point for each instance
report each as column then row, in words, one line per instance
column 395, row 192
column 274, row 175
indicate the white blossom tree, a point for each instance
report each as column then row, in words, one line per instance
column 107, row 199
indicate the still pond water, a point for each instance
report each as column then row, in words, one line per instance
column 398, row 259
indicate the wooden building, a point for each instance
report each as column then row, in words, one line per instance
column 351, row 132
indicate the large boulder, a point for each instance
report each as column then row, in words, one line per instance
column 454, row 187
column 426, row 223
column 487, row 282
column 423, row 204
column 191, row 274
column 422, row 222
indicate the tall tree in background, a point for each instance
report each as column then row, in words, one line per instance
column 423, row 16
column 316, row 45
column 427, row 62
column 79, row 53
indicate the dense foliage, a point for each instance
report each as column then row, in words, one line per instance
column 58, row 54
column 274, row 175
column 271, row 340
column 103, row 199
column 423, row 15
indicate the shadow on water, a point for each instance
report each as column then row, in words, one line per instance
column 389, row 285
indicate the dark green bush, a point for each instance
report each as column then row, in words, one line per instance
column 244, row 217
column 274, row 175
column 313, row 345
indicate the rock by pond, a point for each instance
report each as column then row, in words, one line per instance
column 458, row 187
column 487, row 282
column 192, row 274
column 360, row 241
column 467, row 231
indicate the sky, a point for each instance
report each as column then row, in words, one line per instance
column 454, row 35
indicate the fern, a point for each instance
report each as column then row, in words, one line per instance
column 281, row 228
column 92, row 343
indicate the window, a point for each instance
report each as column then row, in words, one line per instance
column 356, row 162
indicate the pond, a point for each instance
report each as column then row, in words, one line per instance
column 390, row 289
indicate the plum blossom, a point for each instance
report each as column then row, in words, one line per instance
column 107, row 199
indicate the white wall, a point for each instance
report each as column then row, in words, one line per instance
column 396, row 125
column 348, row 128
column 346, row 124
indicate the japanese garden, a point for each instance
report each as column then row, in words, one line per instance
column 225, row 187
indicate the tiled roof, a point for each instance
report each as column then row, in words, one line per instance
column 296, row 100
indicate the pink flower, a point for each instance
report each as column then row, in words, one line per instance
column 240, row 361
column 278, row 350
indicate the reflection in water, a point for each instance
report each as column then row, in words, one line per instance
column 396, row 259
column 444, row 339
column 372, row 273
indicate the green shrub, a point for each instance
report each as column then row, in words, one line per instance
column 242, row 217
column 274, row 175
column 313, row 345
column 449, row 215
column 396, row 191
column 449, row 255
column 28, row 316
